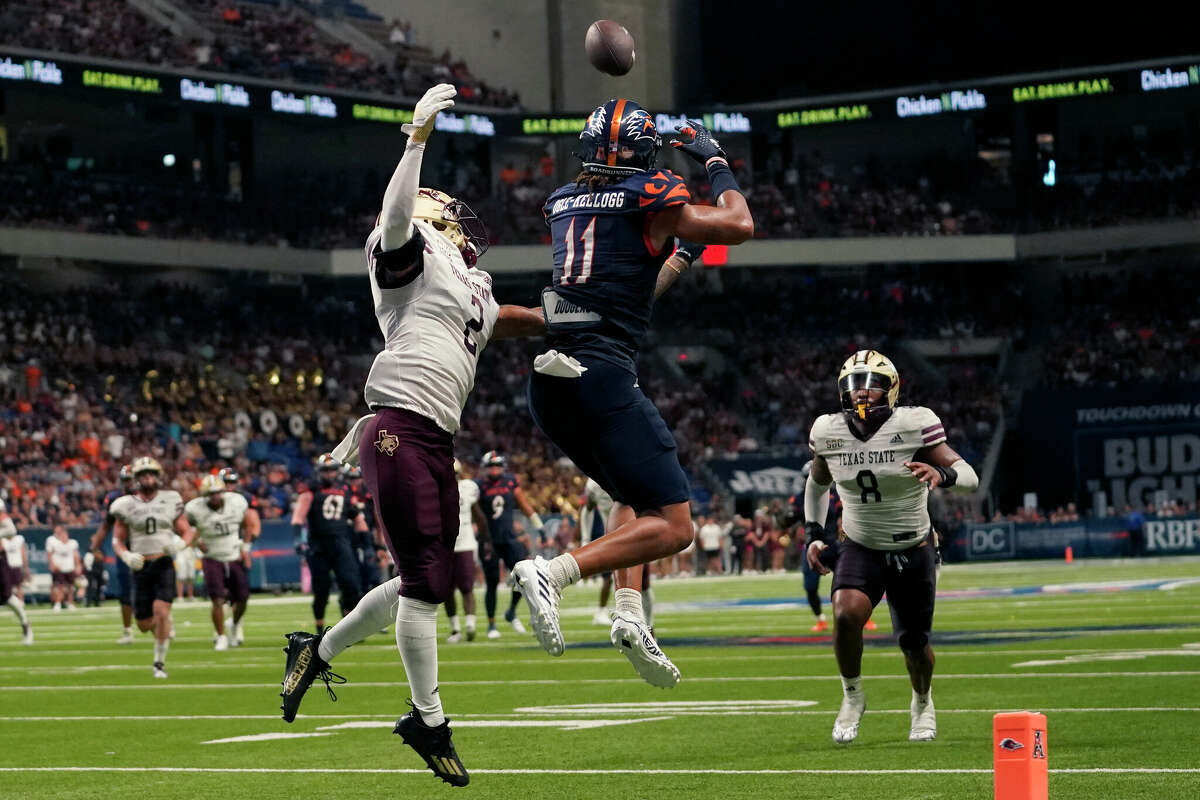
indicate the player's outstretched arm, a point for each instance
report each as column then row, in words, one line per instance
column 518, row 321
column 729, row 222
column 941, row 466
column 401, row 193
column 680, row 261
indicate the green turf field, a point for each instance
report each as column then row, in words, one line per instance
column 1116, row 672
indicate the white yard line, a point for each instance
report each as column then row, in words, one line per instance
column 351, row 771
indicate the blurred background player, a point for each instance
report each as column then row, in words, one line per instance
column 612, row 231
column 124, row 577
column 499, row 494
column 369, row 548
column 436, row 313
column 594, row 508
column 185, row 574
column 62, row 553
column 14, row 558
column 219, row 518
column 326, row 522
column 470, row 520
column 149, row 529
column 884, row 459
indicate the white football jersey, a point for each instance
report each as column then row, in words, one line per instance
column 434, row 330
column 884, row 506
column 221, row 528
column 468, row 496
column 603, row 506
column 14, row 550
column 151, row 522
column 61, row 554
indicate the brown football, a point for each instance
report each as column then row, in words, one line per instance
column 609, row 47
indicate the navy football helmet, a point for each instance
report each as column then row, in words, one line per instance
column 620, row 138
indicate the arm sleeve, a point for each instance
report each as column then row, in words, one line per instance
column 967, row 480
column 400, row 197
column 816, row 502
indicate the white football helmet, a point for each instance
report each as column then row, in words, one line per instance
column 868, row 369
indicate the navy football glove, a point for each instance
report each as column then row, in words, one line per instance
column 697, row 143
column 689, row 251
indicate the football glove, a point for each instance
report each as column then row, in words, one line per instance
column 174, row 545
column 689, row 251
column 437, row 99
column 696, row 142
column 134, row 561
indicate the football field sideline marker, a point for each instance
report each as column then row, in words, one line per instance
column 848, row 772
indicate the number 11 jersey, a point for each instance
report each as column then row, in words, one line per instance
column 884, row 506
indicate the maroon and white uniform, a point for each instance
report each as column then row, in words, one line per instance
column 221, row 531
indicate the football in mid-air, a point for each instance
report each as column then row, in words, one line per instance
column 609, row 47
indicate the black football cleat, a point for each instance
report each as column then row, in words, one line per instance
column 302, row 668
column 433, row 745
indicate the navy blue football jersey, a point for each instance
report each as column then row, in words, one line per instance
column 605, row 266
column 109, row 499
column 332, row 511
column 498, row 496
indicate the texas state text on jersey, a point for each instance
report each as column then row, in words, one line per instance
column 605, row 265
column 884, row 506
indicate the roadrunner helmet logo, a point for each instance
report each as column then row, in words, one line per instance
column 1011, row 745
column 387, row 443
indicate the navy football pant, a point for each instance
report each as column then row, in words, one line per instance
column 335, row 555
column 510, row 551
column 612, row 432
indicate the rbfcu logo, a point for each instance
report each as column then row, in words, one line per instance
column 775, row 480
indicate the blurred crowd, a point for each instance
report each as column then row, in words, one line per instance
column 259, row 38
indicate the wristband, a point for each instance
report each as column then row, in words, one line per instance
column 720, row 176
column 813, row 532
column 536, row 521
column 948, row 475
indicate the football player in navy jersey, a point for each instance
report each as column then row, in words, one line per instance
column 614, row 231
column 324, row 523
column 124, row 576
column 499, row 493
column 368, row 545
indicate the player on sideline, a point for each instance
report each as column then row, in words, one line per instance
column 149, row 528
column 325, row 521
column 613, row 229
column 368, row 545
column 594, row 508
column 14, row 556
column 470, row 519
column 884, row 459
column 436, row 313
column 222, row 535
column 124, row 577
column 500, row 492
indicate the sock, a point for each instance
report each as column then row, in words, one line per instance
column 18, row 607
column 923, row 698
column 373, row 612
column 821, row 617
column 648, row 606
column 564, row 570
column 454, row 624
column 416, row 637
column 160, row 650
column 470, row 622
column 128, row 630
column 629, row 604
column 851, row 685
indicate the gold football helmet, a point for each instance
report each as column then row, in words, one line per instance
column 212, row 484
column 868, row 369
column 145, row 464
column 455, row 220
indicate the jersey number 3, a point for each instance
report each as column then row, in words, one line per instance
column 588, row 248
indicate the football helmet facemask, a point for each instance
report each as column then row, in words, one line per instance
column 455, row 220
column 872, row 371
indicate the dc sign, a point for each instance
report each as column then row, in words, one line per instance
column 992, row 540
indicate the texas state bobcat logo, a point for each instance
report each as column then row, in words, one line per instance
column 387, row 443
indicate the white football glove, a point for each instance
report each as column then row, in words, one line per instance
column 134, row 561
column 439, row 98
column 245, row 547
column 174, row 545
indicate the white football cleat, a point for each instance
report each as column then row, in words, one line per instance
column 454, row 638
column 26, row 634
column 602, row 617
column 160, row 669
column 845, row 728
column 493, row 633
column 126, row 638
column 924, row 719
column 518, row 626
column 635, row 641
column 222, row 643
column 532, row 579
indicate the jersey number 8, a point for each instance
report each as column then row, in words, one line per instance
column 870, row 486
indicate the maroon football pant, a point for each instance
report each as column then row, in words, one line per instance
column 408, row 465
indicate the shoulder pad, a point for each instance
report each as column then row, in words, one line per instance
column 660, row 190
